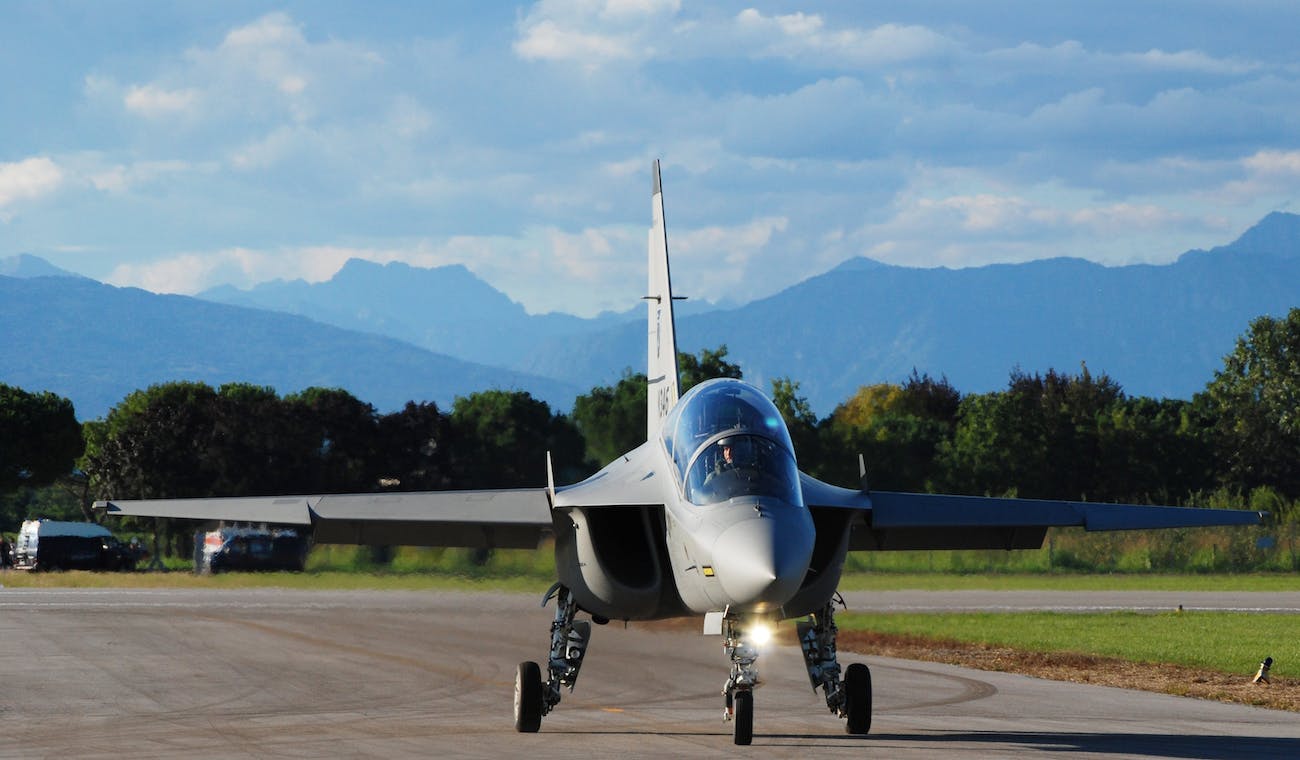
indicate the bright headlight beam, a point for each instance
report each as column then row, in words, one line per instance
column 760, row 634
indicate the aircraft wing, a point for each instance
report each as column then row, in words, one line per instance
column 629, row 481
column 502, row 518
column 889, row 520
column 506, row 518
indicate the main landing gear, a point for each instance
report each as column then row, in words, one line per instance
column 535, row 698
column 849, row 698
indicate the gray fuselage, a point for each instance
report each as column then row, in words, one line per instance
column 732, row 532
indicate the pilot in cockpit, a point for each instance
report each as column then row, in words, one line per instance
column 725, row 461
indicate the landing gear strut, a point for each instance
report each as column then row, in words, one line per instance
column 849, row 698
column 739, row 688
column 535, row 698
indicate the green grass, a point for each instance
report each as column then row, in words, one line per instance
column 1071, row 582
column 345, row 567
column 324, row 580
column 1230, row 642
column 336, row 567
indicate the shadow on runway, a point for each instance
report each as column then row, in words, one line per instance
column 1149, row 745
column 1190, row 746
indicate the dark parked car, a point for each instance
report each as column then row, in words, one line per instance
column 236, row 548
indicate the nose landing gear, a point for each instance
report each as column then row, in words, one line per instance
column 739, row 688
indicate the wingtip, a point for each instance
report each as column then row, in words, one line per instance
column 657, row 189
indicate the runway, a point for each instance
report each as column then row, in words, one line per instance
column 276, row 673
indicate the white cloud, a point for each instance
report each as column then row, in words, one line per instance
column 444, row 141
column 271, row 30
column 192, row 272
column 270, row 149
column 638, row 8
column 263, row 71
column 152, row 101
column 807, row 37
column 547, row 40
column 185, row 273
column 120, row 178
column 1189, row 60
column 28, row 179
column 1271, row 176
column 725, row 262
column 1074, row 55
column 1126, row 218
column 544, row 268
column 1274, row 163
column 594, row 33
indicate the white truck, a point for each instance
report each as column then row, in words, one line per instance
column 57, row 545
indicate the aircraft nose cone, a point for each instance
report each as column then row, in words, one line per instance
column 760, row 561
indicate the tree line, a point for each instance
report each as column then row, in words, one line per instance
column 1053, row 435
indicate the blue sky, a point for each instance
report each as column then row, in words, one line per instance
column 180, row 146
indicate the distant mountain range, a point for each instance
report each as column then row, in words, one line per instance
column 27, row 265
column 1158, row 330
column 444, row 309
column 95, row 343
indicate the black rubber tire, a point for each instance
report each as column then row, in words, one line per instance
column 528, row 698
column 857, row 698
column 742, row 720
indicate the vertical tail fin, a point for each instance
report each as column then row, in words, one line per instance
column 661, row 369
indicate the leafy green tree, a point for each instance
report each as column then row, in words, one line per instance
column 501, row 439
column 40, row 438
column 799, row 420
column 1041, row 438
column 342, row 436
column 256, row 447
column 693, row 370
column 156, row 443
column 933, row 399
column 414, row 448
column 897, row 429
column 1156, row 451
column 61, row 500
column 612, row 419
column 1255, row 401
column 185, row 439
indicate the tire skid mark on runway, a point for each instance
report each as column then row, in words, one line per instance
column 459, row 674
column 972, row 690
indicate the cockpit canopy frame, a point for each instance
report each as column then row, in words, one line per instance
column 725, row 410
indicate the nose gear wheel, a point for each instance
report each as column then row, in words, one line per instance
column 739, row 688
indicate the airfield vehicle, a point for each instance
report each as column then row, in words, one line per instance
column 249, row 548
column 57, row 545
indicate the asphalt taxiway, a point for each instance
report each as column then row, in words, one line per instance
column 277, row 673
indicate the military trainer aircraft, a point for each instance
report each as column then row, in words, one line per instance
column 709, row 517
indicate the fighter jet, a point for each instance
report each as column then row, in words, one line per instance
column 710, row 517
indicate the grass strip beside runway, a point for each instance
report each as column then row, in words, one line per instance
column 1071, row 582
column 1232, row 642
column 513, row 571
column 1203, row 654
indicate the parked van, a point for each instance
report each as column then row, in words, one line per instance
column 55, row 545
column 249, row 548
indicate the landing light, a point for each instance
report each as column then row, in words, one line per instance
column 760, row 634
